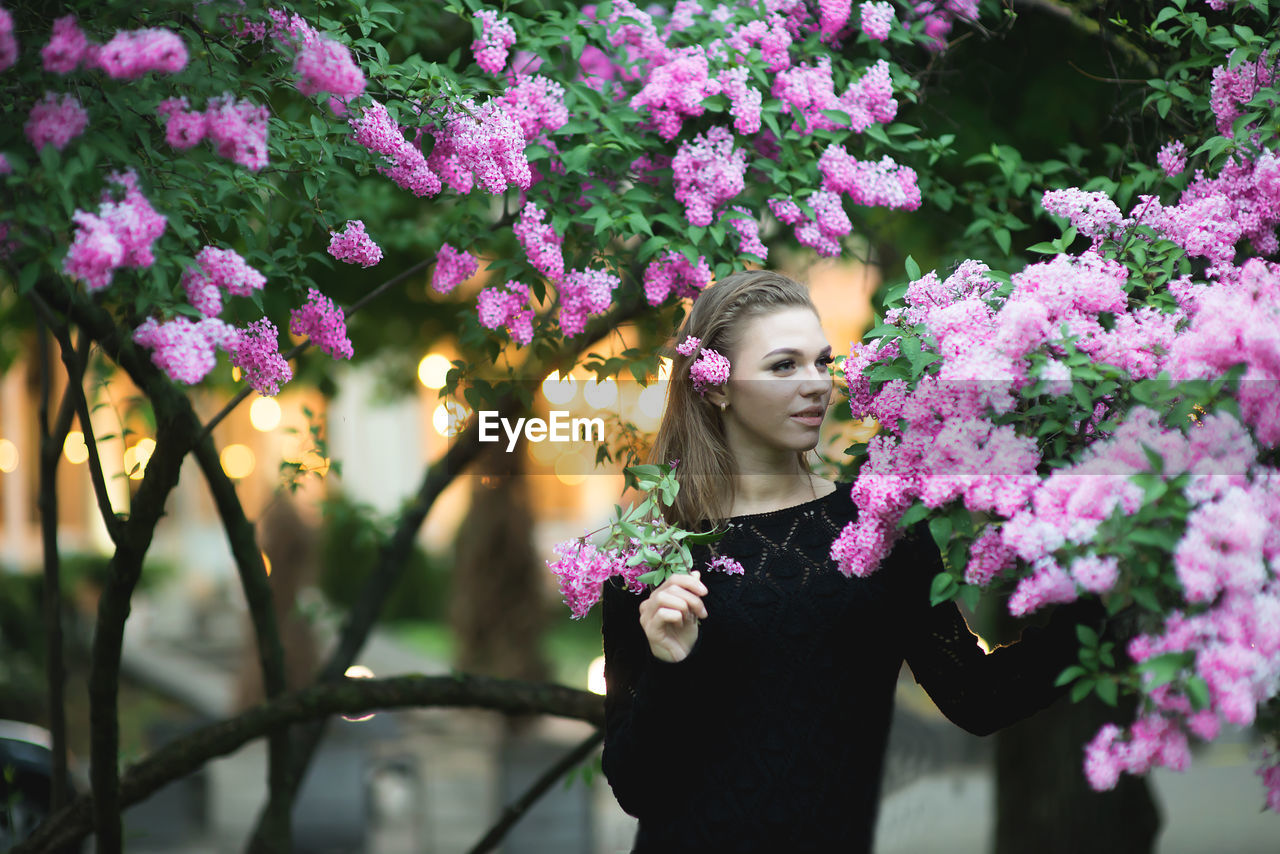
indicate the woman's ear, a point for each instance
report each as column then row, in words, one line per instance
column 717, row 397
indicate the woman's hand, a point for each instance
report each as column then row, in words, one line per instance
column 670, row 616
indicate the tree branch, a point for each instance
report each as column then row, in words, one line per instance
column 346, row 697
column 517, row 808
column 75, row 388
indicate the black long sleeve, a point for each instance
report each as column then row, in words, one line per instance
column 770, row 736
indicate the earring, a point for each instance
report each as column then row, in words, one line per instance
column 724, row 404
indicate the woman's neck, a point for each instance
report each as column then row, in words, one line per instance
column 762, row 492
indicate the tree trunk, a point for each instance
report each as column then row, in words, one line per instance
column 498, row 610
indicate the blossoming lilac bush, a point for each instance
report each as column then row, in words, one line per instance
column 1104, row 423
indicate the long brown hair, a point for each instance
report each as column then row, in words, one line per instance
column 692, row 428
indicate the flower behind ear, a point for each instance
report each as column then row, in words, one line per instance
column 710, row 370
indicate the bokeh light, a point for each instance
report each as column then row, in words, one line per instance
column 264, row 414
column 559, row 390
column 74, row 448
column 237, row 461
column 358, row 671
column 432, row 370
column 8, row 456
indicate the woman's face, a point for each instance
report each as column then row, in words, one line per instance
column 779, row 385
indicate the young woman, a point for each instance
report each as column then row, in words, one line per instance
column 749, row 713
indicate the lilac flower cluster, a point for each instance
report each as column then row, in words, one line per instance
column 877, row 18
column 66, row 47
column 583, row 294
column 55, row 121
column 325, row 65
column 354, row 245
column 808, row 91
column 8, row 42
column 255, row 350
column 744, row 100
column 885, row 183
column 507, row 307
column 1092, row 214
column 119, row 235
column 710, row 370
column 673, row 273
column 1173, row 158
column 748, row 229
column 132, row 54
column 483, row 144
column 496, row 37
column 1234, row 87
column 184, row 349
column 537, row 105
column 708, row 172
column 324, row 323
column 675, row 90
column 237, row 128
column 540, row 241
column 582, row 569
column 770, row 35
column 833, row 15
column 405, row 165
column 940, row 15
column 453, row 267
column 824, row 229
column 219, row 270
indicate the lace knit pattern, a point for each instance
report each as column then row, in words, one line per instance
column 770, row 736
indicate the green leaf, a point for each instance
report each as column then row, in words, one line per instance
column 1081, row 689
column 943, row 589
column 1087, row 636
column 1069, row 675
column 1108, row 691
column 940, row 528
column 912, row 268
column 1198, row 692
column 914, row 514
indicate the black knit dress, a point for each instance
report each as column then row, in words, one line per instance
column 770, row 735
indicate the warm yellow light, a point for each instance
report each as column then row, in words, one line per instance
column 74, row 448
column 312, row 461
column 559, row 390
column 546, row 453
column 600, row 394
column 237, row 461
column 266, row 564
column 863, row 430
column 358, row 671
column 664, row 369
column 8, row 456
column 449, row 418
column 649, row 405
column 572, row 468
column 137, row 456
column 595, row 675
column 264, row 414
column 432, row 370
column 291, row 450
column 235, row 373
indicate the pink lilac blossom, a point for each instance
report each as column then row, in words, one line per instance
column 988, row 557
column 95, row 252
column 673, row 273
column 55, row 121
column 507, row 307
column 772, row 38
column 1094, row 573
column 537, row 105
column 581, row 569
column 824, row 230
column 1092, row 214
column 185, row 350
column 709, row 370
column 130, row 55
column 353, row 245
column 748, row 232
column 675, row 91
column 238, row 130
column 453, row 267
column 629, row 26
column 939, row 16
column 877, row 19
column 725, row 564
column 256, row 352
column 1232, row 88
column 6, row 168
column 404, row 164
column 324, row 323
column 1047, row 584
column 1173, row 158
column 708, row 172
column 832, row 17
column 66, row 46
column 583, row 294
column 183, row 127
column 540, row 241
column 496, row 38
column 885, row 183
column 744, row 100
column 689, row 345
column 481, row 144
column 325, row 65
column 219, row 270
column 8, row 42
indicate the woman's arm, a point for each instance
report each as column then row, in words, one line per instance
column 647, row 743
column 981, row 692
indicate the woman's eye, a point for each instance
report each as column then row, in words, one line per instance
column 785, row 364
column 827, row 361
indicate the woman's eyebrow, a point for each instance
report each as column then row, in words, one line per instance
column 792, row 351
